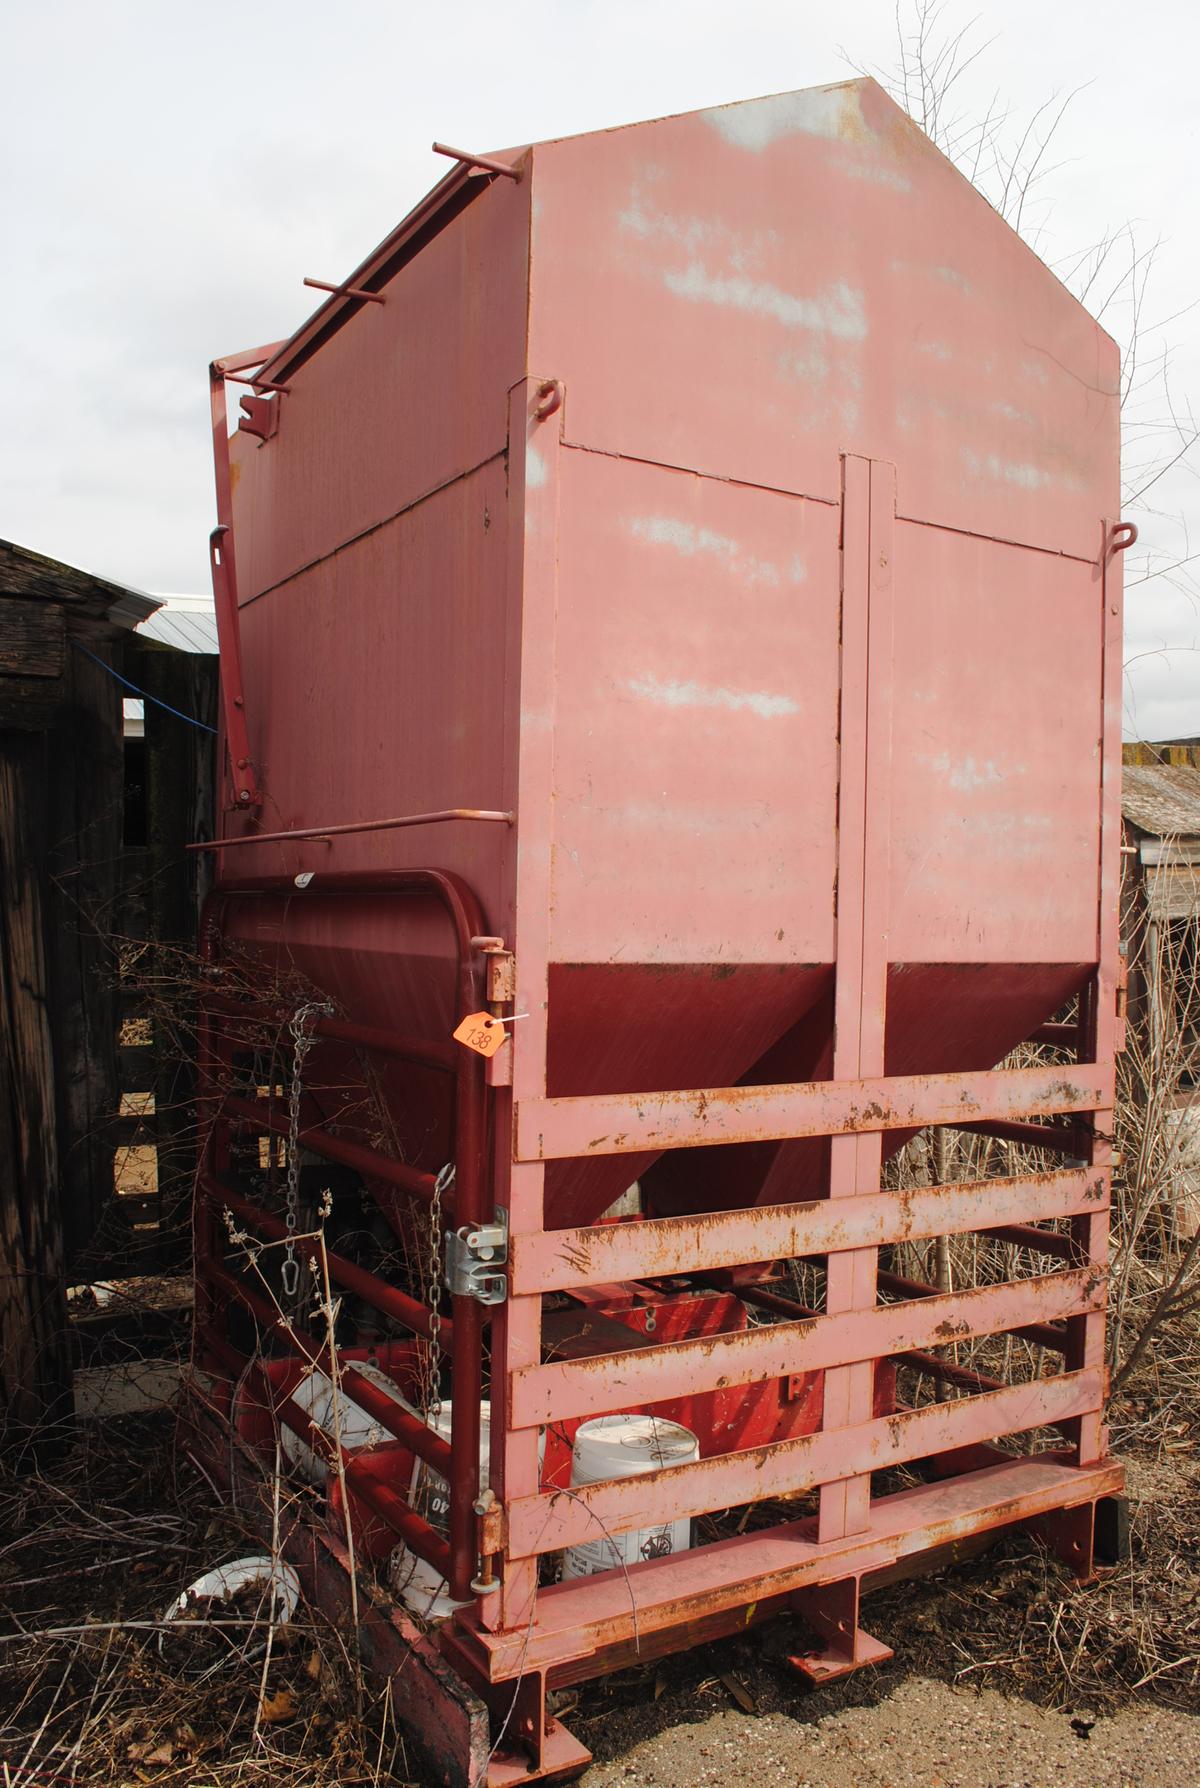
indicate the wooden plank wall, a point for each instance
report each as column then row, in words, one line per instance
column 179, row 773
column 61, row 774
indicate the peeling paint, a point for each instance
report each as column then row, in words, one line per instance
column 685, row 537
column 697, row 695
column 756, row 124
column 878, row 173
column 968, row 774
column 535, row 469
column 1022, row 474
column 837, row 311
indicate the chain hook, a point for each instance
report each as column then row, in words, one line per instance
column 302, row 1041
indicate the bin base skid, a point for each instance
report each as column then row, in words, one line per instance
column 588, row 1626
column 454, row 1688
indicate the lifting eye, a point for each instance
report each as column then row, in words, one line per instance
column 549, row 399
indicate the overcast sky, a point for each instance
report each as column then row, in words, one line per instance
column 173, row 168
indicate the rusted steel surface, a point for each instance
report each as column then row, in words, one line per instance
column 545, row 1523
column 586, row 1387
column 563, row 1259
column 624, row 1123
column 1042, row 1334
column 577, row 1618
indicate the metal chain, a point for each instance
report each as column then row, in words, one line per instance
column 433, row 1400
column 302, row 1040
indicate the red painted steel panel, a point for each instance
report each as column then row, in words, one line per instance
column 697, row 636
column 373, row 694
column 994, row 773
column 404, row 397
column 864, row 296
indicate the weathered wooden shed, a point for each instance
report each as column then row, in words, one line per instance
column 61, row 818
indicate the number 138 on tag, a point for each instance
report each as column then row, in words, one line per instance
column 481, row 1032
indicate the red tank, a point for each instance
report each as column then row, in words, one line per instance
column 698, row 542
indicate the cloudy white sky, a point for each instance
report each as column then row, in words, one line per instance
column 173, row 168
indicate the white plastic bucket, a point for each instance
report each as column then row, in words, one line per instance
column 419, row 1585
column 355, row 1427
column 628, row 1446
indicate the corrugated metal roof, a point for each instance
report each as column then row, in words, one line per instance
column 189, row 623
column 1162, row 799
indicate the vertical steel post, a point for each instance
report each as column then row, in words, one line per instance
column 860, row 998
column 1098, row 1002
column 533, row 461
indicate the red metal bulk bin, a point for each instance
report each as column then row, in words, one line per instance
column 698, row 543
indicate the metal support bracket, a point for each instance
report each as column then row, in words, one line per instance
column 475, row 1261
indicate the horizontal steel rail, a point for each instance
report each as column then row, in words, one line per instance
column 1056, row 1139
column 564, row 1259
column 427, row 1051
column 1041, row 1334
column 425, row 1442
column 551, row 1520
column 563, row 1389
column 367, row 1161
column 376, row 1292
column 630, row 1123
column 1037, row 1241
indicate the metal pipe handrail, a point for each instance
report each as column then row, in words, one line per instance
column 299, row 833
column 383, row 1502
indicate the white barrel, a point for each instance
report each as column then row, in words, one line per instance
column 419, row 1585
column 628, row 1446
column 354, row 1426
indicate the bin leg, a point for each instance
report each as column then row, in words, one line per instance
column 831, row 1610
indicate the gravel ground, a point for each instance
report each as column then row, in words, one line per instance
column 914, row 1730
column 1006, row 1674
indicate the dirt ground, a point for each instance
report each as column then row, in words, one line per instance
column 909, row 1729
column 1005, row 1675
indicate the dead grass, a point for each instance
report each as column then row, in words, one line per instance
column 97, row 1546
column 97, row 1687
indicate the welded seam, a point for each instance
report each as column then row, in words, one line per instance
column 374, row 527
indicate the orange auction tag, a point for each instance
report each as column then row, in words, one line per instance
column 481, row 1032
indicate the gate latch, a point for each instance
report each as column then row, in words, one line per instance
column 475, row 1259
